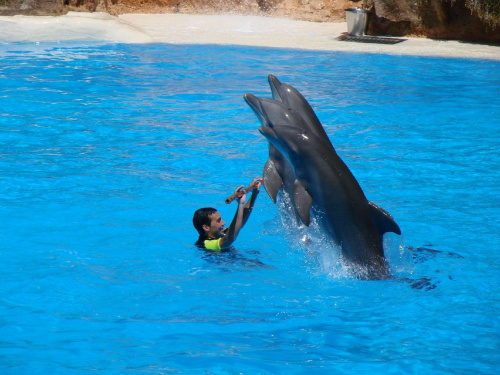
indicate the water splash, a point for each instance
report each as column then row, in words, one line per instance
column 324, row 256
column 397, row 255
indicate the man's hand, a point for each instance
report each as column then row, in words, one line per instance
column 240, row 194
column 257, row 183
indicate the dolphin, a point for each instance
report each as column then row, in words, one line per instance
column 288, row 106
column 294, row 100
column 278, row 173
column 325, row 181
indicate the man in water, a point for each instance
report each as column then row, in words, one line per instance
column 210, row 226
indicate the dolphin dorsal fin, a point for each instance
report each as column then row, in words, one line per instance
column 383, row 220
column 302, row 201
column 272, row 180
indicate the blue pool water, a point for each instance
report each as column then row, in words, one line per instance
column 107, row 150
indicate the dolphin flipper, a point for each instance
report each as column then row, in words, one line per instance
column 383, row 220
column 302, row 201
column 272, row 180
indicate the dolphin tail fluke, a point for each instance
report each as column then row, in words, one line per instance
column 302, row 201
column 383, row 220
column 272, row 180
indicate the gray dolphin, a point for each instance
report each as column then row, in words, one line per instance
column 288, row 107
column 278, row 173
column 294, row 100
column 323, row 179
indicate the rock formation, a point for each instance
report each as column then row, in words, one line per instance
column 440, row 19
column 468, row 20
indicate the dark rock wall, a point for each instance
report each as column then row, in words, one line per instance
column 440, row 19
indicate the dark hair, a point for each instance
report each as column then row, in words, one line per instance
column 201, row 218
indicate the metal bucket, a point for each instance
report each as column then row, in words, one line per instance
column 357, row 19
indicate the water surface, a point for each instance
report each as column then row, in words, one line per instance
column 107, row 150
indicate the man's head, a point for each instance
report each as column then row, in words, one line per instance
column 208, row 222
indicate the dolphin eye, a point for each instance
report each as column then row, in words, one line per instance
column 305, row 136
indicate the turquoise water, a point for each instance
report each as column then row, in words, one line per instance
column 107, row 150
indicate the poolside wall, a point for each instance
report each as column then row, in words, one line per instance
column 439, row 19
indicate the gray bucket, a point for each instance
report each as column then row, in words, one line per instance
column 357, row 19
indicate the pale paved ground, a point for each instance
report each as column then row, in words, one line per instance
column 219, row 29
